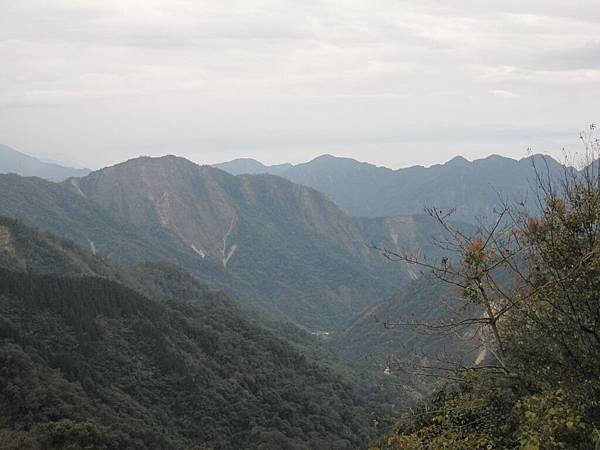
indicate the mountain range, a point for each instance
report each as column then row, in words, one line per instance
column 171, row 270
column 12, row 161
column 283, row 248
column 471, row 188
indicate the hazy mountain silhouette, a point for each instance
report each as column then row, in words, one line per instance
column 249, row 166
column 362, row 189
column 12, row 161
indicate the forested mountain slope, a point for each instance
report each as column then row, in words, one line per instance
column 283, row 248
column 90, row 362
column 399, row 334
column 423, row 300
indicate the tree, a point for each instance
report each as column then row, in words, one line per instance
column 533, row 276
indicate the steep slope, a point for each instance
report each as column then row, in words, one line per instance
column 63, row 209
column 405, row 234
column 12, row 161
column 394, row 334
column 89, row 362
column 362, row 189
column 118, row 367
column 421, row 300
column 283, row 248
column 296, row 250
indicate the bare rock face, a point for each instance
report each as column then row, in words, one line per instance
column 169, row 192
column 6, row 240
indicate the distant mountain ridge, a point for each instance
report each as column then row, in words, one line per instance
column 365, row 190
column 13, row 161
column 249, row 166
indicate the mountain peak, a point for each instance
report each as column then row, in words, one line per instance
column 241, row 166
column 249, row 166
column 458, row 160
column 540, row 157
column 327, row 157
column 331, row 161
column 140, row 162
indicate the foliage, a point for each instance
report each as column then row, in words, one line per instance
column 548, row 421
column 391, row 347
column 94, row 355
column 89, row 363
column 474, row 415
column 539, row 278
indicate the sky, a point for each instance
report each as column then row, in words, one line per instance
column 395, row 83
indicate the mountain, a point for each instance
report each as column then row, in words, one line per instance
column 12, row 161
column 60, row 208
column 472, row 188
column 296, row 251
column 283, row 248
column 90, row 361
column 249, row 166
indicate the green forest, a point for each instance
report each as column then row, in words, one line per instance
column 95, row 355
column 89, row 363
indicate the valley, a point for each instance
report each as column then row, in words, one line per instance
column 228, row 296
column 279, row 225
column 280, row 247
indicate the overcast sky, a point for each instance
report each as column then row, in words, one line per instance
column 396, row 83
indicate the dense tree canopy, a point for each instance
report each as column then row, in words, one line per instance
column 89, row 363
column 94, row 355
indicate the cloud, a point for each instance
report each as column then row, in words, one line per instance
column 192, row 75
column 504, row 94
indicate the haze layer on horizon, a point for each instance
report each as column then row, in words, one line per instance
column 394, row 83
